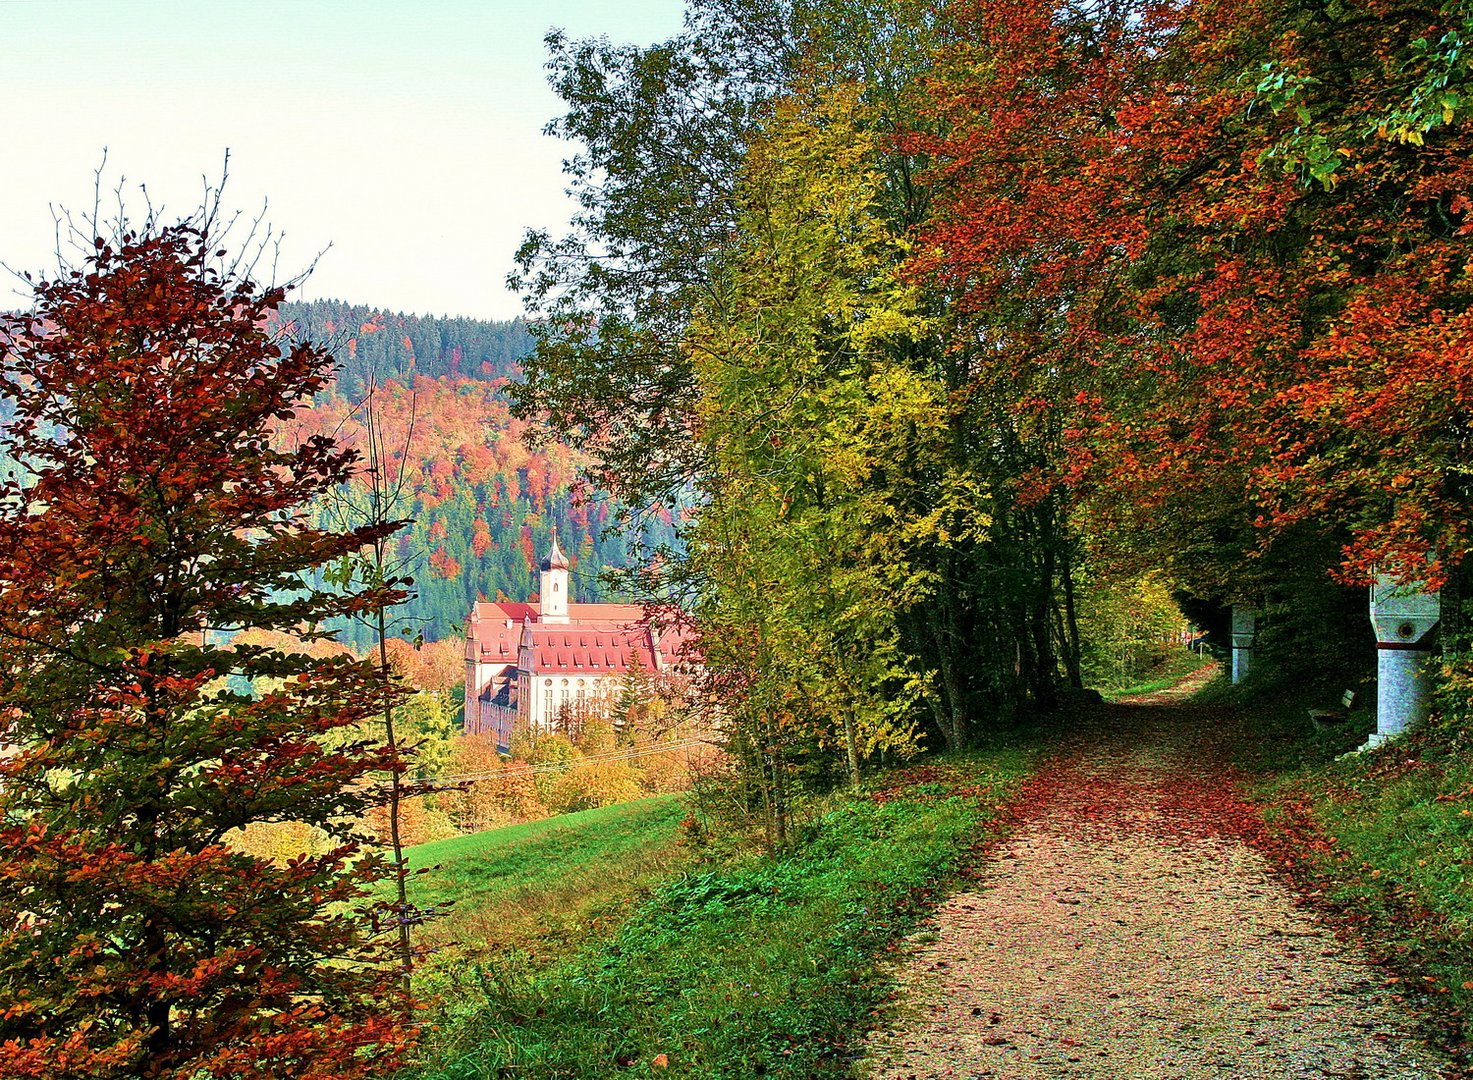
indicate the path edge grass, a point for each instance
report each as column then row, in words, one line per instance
column 773, row 966
column 1178, row 666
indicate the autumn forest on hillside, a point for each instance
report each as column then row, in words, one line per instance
column 482, row 502
column 943, row 371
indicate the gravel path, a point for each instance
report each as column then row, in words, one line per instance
column 1120, row 933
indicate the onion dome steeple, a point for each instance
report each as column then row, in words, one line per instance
column 554, row 596
column 555, row 559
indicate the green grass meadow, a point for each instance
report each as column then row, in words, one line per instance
column 518, row 859
column 686, row 966
column 513, row 895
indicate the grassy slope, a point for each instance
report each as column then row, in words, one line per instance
column 752, row 967
column 528, row 890
column 536, row 855
column 1387, row 837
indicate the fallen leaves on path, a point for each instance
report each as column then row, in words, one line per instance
column 1128, row 929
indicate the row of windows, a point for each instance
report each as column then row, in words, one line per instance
column 563, row 696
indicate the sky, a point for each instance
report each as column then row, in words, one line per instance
column 404, row 138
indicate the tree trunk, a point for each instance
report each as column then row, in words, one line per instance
column 779, row 801
column 396, row 795
column 1073, row 653
column 851, row 750
column 943, row 629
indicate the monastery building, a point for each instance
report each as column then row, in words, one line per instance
column 527, row 662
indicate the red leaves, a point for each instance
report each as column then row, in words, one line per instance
column 1213, row 337
column 138, row 941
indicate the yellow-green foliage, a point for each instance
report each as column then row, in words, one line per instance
column 1129, row 629
column 279, row 841
column 426, row 721
column 795, row 546
column 597, row 783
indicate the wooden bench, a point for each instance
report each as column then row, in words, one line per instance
column 1329, row 718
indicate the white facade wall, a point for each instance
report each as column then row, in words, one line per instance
column 550, row 694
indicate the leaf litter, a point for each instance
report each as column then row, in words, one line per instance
column 1134, row 927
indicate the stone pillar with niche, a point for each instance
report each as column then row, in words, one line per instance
column 1245, row 627
column 1405, row 618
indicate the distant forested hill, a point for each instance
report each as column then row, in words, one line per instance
column 368, row 340
column 484, row 504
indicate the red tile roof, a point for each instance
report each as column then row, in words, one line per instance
column 597, row 639
column 678, row 645
column 589, row 650
column 492, row 639
column 503, row 610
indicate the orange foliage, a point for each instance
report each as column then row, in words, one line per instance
column 418, row 823
column 488, row 803
column 444, row 565
column 481, row 538
column 435, row 665
column 321, row 648
column 463, row 433
column 661, row 774
column 1205, row 330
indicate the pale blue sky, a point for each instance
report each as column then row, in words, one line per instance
column 407, row 136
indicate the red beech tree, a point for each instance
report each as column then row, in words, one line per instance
column 147, row 517
column 1324, row 264
column 1199, row 244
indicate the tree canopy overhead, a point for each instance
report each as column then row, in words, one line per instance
column 1185, row 288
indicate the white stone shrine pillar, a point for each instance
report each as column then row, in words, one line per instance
column 1245, row 624
column 1405, row 618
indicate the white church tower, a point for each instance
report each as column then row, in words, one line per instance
column 554, row 596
